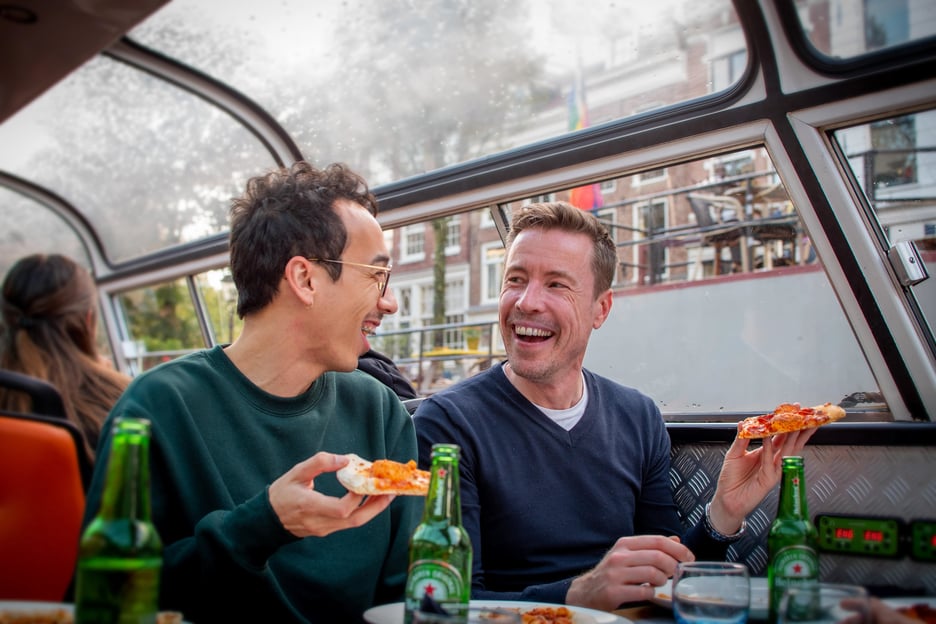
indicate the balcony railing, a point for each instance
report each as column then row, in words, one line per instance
column 435, row 356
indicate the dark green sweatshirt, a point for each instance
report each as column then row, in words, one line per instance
column 218, row 442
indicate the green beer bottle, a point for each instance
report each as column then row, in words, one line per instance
column 440, row 549
column 120, row 553
column 792, row 540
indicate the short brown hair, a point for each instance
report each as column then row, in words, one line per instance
column 566, row 217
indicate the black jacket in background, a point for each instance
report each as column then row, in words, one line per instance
column 384, row 370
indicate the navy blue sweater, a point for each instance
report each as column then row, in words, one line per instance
column 542, row 504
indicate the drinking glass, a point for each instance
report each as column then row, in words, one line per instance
column 711, row 592
column 476, row 615
column 825, row 603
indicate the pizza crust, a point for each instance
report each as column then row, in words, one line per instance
column 358, row 477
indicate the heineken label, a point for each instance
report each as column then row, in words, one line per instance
column 436, row 579
column 795, row 564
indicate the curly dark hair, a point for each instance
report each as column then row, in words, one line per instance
column 289, row 212
column 566, row 217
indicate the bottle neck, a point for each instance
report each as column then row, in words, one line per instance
column 127, row 489
column 793, row 494
column 444, row 500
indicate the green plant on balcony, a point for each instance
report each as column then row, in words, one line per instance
column 472, row 336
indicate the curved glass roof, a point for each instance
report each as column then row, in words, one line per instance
column 400, row 88
column 150, row 165
column 395, row 89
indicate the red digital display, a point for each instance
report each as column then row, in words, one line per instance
column 873, row 536
column 845, row 534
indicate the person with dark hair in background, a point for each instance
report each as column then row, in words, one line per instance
column 380, row 366
column 387, row 372
column 247, row 437
column 565, row 485
column 50, row 332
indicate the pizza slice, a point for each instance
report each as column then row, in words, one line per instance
column 919, row 611
column 788, row 417
column 383, row 476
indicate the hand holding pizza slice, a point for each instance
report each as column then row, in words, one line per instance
column 788, row 417
column 383, row 476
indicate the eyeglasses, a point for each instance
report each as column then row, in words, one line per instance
column 382, row 277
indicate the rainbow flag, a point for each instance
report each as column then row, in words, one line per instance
column 586, row 197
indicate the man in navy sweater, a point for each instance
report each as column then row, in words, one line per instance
column 565, row 474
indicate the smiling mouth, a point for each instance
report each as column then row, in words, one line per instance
column 532, row 334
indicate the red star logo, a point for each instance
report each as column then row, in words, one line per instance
column 797, row 568
column 442, row 472
column 795, row 480
column 430, row 590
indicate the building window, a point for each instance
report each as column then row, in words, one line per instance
column 548, row 197
column 487, row 221
column 650, row 176
column 405, row 302
column 893, row 142
column 388, row 240
column 425, row 303
column 649, row 259
column 413, row 243
column 453, row 236
column 887, row 23
column 492, row 271
column 455, row 296
column 727, row 69
column 736, row 164
column 608, row 217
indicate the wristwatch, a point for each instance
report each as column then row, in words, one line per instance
column 717, row 535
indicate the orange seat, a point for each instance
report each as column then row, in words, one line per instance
column 42, row 498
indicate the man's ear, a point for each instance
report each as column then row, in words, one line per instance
column 301, row 279
column 602, row 308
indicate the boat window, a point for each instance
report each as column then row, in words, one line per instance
column 150, row 165
column 161, row 322
column 400, row 88
column 892, row 161
column 27, row 227
column 714, row 263
column 845, row 29
column 216, row 288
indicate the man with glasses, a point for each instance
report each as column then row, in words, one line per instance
column 247, row 436
column 377, row 364
column 373, row 362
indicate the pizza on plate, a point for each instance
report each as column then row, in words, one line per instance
column 922, row 612
column 789, row 417
column 548, row 615
column 537, row 615
column 383, row 476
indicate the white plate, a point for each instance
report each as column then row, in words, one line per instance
column 909, row 601
column 43, row 607
column 760, row 597
column 23, row 605
column 393, row 613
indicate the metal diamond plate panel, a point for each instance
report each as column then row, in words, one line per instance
column 868, row 480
